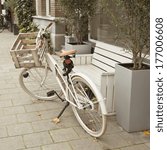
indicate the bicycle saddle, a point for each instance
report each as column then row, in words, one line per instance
column 66, row 52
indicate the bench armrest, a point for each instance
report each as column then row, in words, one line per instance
column 107, row 90
column 82, row 59
column 108, row 73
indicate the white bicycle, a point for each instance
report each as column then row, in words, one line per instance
column 52, row 81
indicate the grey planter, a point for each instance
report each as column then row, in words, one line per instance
column 132, row 98
column 81, row 48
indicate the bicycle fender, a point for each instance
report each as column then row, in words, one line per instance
column 97, row 91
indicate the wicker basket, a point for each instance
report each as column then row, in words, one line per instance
column 24, row 52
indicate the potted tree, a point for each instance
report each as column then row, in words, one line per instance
column 132, row 80
column 77, row 14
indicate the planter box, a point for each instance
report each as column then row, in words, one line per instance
column 132, row 98
column 81, row 48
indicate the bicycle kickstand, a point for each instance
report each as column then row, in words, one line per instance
column 57, row 120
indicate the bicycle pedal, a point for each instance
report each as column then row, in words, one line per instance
column 50, row 93
column 26, row 74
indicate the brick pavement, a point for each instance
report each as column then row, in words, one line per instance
column 25, row 124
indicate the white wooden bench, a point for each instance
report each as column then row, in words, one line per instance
column 100, row 68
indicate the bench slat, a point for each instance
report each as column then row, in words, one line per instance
column 114, row 56
column 105, row 60
column 102, row 66
column 113, row 49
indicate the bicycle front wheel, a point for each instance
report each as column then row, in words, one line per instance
column 40, row 83
column 90, row 114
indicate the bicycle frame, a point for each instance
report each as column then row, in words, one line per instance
column 70, row 90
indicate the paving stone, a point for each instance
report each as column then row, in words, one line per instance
column 5, row 103
column 49, row 114
column 59, row 146
column 63, row 135
column 42, row 106
column 147, row 144
column 37, row 139
column 7, row 120
column 135, row 138
column 1, row 112
column 3, row 131
column 11, row 91
column 81, row 132
column 136, row 147
column 113, row 140
column 19, row 129
column 85, row 144
column 44, row 125
column 21, row 99
column 35, row 148
column 14, row 110
column 7, row 86
column 11, row 143
column 69, row 121
column 28, row 117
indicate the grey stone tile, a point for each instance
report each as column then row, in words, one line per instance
column 81, row 132
column 3, row 131
column 5, row 103
column 112, row 141
column 7, row 120
column 63, row 135
column 44, row 125
column 41, row 106
column 19, row 129
column 1, row 112
column 21, row 99
column 68, row 121
column 37, row 139
column 28, row 117
column 136, row 147
column 58, row 146
column 7, row 86
column 135, row 138
column 147, row 144
column 11, row 143
column 112, row 125
column 49, row 114
column 85, row 144
column 52, row 113
column 14, row 110
column 35, row 148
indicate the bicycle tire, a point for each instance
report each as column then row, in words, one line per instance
column 31, row 79
column 91, row 118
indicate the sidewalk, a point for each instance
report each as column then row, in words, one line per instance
column 25, row 124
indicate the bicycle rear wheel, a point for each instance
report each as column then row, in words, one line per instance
column 40, row 83
column 90, row 117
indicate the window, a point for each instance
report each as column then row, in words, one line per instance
column 48, row 7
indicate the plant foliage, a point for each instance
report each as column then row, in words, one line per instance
column 25, row 10
column 131, row 18
column 78, row 12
